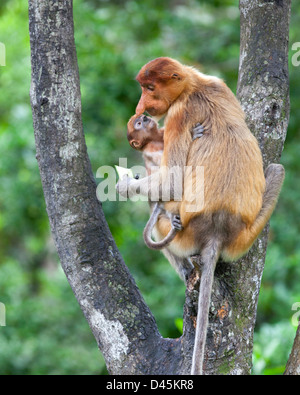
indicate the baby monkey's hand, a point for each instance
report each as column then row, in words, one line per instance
column 197, row 131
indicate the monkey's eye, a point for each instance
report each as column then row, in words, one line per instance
column 135, row 144
column 150, row 88
column 138, row 125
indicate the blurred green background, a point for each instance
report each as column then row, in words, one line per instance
column 46, row 332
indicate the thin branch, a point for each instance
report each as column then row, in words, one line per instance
column 293, row 365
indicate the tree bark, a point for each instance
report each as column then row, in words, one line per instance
column 263, row 90
column 293, row 365
column 121, row 322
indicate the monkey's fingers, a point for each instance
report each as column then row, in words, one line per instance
column 176, row 223
column 122, row 186
column 197, row 131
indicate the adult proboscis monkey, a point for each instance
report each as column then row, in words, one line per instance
column 238, row 197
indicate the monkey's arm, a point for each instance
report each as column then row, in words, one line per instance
column 159, row 186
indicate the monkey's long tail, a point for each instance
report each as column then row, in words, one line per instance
column 209, row 256
column 149, row 228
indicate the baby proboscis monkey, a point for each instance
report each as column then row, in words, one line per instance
column 144, row 135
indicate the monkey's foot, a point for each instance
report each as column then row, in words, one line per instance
column 197, row 131
column 176, row 223
column 196, row 262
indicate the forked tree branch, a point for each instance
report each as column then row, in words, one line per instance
column 121, row 322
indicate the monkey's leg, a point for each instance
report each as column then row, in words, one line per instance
column 182, row 266
column 209, row 257
column 274, row 180
column 176, row 226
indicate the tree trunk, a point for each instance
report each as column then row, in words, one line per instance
column 121, row 322
column 263, row 90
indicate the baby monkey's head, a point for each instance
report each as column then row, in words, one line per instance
column 142, row 130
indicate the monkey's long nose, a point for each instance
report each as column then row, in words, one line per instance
column 140, row 108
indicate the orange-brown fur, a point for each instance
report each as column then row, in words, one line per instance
column 238, row 197
column 144, row 135
column 229, row 153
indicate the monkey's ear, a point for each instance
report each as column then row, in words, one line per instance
column 135, row 144
column 176, row 76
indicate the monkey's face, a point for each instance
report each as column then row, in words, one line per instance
column 162, row 81
column 152, row 101
column 140, row 131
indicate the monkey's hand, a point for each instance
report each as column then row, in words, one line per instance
column 176, row 223
column 123, row 186
column 197, row 131
column 150, row 186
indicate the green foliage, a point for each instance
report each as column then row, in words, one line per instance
column 272, row 346
column 46, row 332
